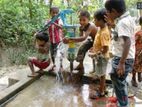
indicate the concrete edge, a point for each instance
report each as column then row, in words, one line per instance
column 16, row 88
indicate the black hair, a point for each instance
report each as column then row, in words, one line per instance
column 140, row 20
column 118, row 5
column 85, row 13
column 100, row 14
column 54, row 8
column 42, row 36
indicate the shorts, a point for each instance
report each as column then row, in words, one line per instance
column 40, row 64
column 83, row 50
column 100, row 66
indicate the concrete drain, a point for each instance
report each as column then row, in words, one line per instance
column 6, row 82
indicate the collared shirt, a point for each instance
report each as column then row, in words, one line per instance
column 125, row 26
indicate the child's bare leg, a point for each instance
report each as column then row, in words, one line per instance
column 80, row 66
column 134, row 82
column 101, row 91
column 31, row 68
column 139, row 77
column 102, row 84
column 53, row 61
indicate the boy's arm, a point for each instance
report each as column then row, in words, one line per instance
column 121, row 65
column 124, row 33
column 104, row 49
column 110, row 22
column 59, row 25
column 83, row 36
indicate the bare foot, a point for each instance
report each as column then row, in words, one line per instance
column 40, row 71
column 53, row 68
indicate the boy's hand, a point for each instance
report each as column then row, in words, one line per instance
column 91, row 50
column 65, row 40
column 71, row 39
column 109, row 21
column 92, row 55
column 121, row 69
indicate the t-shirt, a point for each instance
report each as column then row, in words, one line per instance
column 55, row 32
column 125, row 26
column 102, row 38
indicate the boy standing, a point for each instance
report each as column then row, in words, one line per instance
column 87, row 32
column 123, row 48
column 55, row 33
column 100, row 50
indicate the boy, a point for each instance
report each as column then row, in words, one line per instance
column 123, row 48
column 42, row 60
column 100, row 50
column 138, row 56
column 55, row 33
column 87, row 32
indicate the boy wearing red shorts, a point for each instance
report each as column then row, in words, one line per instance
column 41, row 60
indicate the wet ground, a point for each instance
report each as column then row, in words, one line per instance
column 47, row 92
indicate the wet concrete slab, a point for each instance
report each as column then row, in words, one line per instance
column 47, row 92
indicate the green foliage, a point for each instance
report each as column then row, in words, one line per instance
column 17, row 26
column 19, row 56
column 19, row 19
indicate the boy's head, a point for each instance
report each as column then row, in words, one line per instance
column 99, row 17
column 115, row 8
column 41, row 38
column 54, row 11
column 84, row 17
column 140, row 21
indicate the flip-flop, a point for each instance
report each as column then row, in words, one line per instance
column 96, row 95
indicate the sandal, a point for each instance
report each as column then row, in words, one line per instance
column 96, row 95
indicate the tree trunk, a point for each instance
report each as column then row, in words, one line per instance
column 50, row 3
column 68, row 2
column 30, row 9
